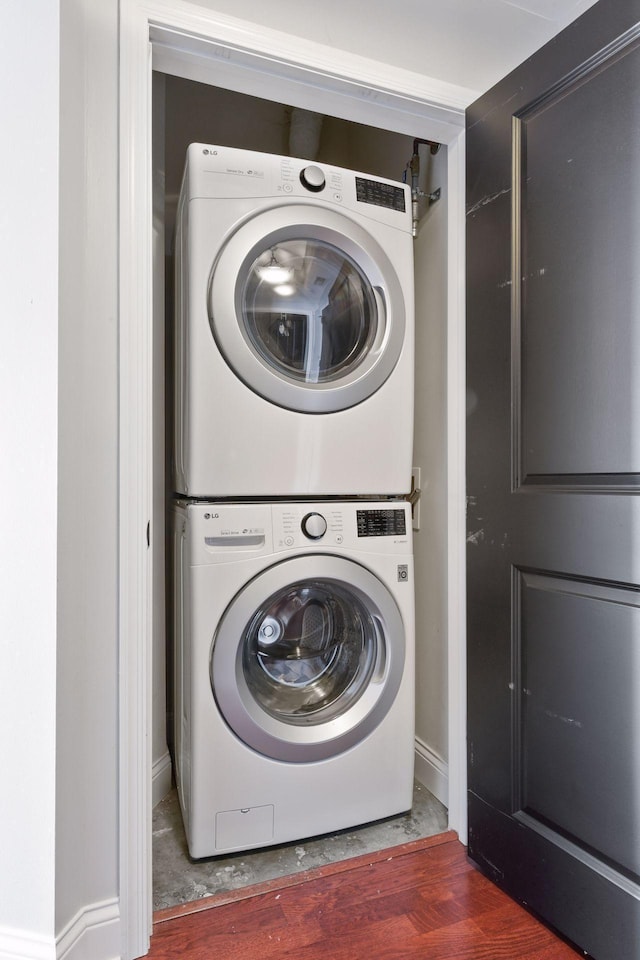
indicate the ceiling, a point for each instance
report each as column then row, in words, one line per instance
column 471, row 43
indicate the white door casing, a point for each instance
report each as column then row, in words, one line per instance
column 183, row 39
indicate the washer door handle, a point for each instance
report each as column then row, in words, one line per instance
column 380, row 666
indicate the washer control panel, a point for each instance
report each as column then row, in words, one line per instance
column 381, row 523
column 367, row 526
column 224, row 532
column 301, row 524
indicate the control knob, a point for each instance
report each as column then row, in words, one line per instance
column 314, row 526
column 312, row 178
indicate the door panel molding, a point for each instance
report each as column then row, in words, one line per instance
column 579, row 483
column 527, row 275
column 575, row 648
column 520, row 861
column 608, row 873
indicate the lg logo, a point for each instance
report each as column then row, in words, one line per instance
column 213, row 153
column 212, row 516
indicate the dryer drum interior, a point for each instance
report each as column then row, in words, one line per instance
column 312, row 667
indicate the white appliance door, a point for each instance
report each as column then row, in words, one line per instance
column 307, row 309
column 308, row 658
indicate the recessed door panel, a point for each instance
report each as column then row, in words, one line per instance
column 579, row 216
column 579, row 720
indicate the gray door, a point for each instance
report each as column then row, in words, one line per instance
column 553, row 246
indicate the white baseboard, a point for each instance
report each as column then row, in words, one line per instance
column 432, row 771
column 160, row 778
column 93, row 934
column 24, row 945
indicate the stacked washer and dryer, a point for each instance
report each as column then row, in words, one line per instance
column 293, row 569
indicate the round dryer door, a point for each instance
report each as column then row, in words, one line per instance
column 307, row 309
column 308, row 658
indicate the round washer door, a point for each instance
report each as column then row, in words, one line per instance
column 307, row 309
column 308, row 658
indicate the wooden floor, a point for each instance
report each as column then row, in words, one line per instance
column 422, row 900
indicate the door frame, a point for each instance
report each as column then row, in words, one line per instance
column 180, row 38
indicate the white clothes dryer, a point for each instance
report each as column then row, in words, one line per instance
column 294, row 669
column 294, row 329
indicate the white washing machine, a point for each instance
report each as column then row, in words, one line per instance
column 294, row 669
column 294, row 316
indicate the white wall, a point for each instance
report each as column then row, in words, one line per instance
column 58, row 509
column 87, row 728
column 369, row 149
column 29, row 59
column 430, row 454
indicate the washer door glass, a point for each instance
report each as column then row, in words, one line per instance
column 309, row 652
column 308, row 658
column 309, row 310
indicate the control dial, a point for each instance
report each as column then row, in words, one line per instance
column 313, row 179
column 314, row 526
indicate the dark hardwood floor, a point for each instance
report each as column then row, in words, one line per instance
column 422, row 900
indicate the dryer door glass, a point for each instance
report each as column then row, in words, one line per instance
column 308, row 310
column 309, row 652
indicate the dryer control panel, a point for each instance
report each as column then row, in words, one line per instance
column 219, row 172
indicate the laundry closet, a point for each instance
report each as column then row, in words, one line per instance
column 185, row 112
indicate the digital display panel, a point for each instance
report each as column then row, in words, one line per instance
column 381, row 523
column 380, row 194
